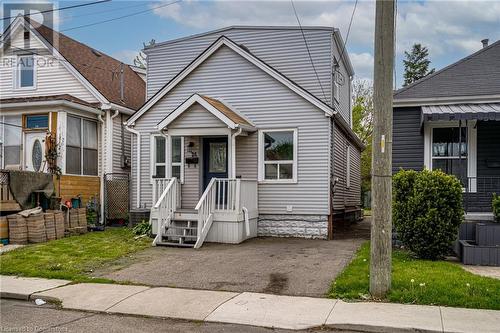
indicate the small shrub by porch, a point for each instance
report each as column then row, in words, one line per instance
column 427, row 211
column 72, row 258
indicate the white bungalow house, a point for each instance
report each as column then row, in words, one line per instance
column 57, row 93
column 242, row 136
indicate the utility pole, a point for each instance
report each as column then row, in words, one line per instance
column 381, row 232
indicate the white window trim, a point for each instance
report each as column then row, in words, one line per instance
column 152, row 155
column 348, row 167
column 181, row 163
column 16, row 72
column 82, row 119
column 261, row 160
column 471, row 146
column 168, row 159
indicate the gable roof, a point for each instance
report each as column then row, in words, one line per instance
column 335, row 32
column 224, row 41
column 99, row 69
column 475, row 75
column 231, row 118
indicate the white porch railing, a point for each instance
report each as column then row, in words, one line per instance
column 166, row 206
column 225, row 195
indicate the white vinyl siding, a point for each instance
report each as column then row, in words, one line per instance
column 268, row 104
column 282, row 49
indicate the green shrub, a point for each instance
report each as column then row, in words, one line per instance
column 496, row 206
column 427, row 211
column 143, row 228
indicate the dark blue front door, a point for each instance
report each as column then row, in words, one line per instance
column 214, row 159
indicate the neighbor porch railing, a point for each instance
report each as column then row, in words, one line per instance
column 479, row 193
column 166, row 206
column 159, row 185
column 224, row 195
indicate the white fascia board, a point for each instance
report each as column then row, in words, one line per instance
column 122, row 109
column 224, row 41
column 51, row 103
column 59, row 57
column 405, row 102
column 186, row 104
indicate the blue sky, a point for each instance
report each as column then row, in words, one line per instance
column 450, row 29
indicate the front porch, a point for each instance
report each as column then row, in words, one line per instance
column 197, row 194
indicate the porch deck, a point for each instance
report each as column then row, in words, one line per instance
column 226, row 213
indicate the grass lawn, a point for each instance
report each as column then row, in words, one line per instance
column 72, row 258
column 434, row 282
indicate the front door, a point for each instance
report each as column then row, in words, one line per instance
column 214, row 159
column 34, row 154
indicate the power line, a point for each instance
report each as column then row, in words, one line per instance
column 121, row 17
column 348, row 30
column 307, row 48
column 107, row 11
column 61, row 8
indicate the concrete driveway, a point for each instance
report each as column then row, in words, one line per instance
column 285, row 266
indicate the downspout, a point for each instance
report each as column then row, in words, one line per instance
column 109, row 164
column 101, row 187
column 233, row 151
column 138, row 157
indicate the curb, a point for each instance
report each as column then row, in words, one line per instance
column 380, row 329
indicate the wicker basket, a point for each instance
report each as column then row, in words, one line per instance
column 73, row 218
column 59, row 224
column 82, row 217
column 4, row 227
column 36, row 229
column 50, row 226
column 18, row 229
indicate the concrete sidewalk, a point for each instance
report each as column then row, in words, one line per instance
column 255, row 309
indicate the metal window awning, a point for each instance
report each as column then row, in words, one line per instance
column 486, row 111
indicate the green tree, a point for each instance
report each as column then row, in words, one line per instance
column 140, row 59
column 416, row 64
column 362, row 124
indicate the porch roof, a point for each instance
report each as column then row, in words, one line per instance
column 485, row 111
column 228, row 116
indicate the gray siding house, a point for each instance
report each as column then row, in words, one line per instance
column 239, row 137
column 450, row 120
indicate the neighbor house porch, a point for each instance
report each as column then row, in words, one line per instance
column 464, row 140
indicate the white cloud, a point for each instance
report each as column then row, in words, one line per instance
column 363, row 65
column 450, row 29
column 127, row 56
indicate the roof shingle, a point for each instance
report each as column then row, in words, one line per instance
column 475, row 75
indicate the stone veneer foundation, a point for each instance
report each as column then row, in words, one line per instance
column 303, row 226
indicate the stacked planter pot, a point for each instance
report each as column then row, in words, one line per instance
column 18, row 229
column 36, row 228
column 59, row 224
column 50, row 225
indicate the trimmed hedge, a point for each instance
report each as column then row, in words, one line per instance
column 427, row 211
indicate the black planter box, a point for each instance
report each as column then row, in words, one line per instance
column 473, row 254
column 488, row 234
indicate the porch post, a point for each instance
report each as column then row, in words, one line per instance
column 233, row 156
column 231, row 153
column 168, row 157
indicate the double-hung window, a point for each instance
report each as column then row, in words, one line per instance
column 278, row 155
column 25, row 72
column 12, row 134
column 81, row 147
column 449, row 151
column 160, row 157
